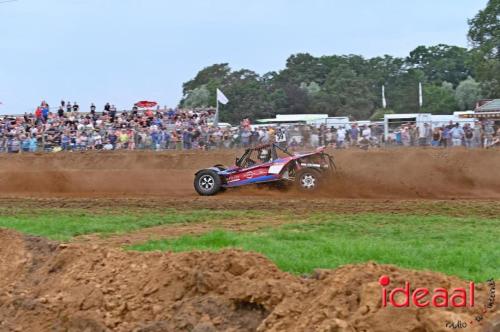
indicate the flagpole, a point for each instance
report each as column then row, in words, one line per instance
column 420, row 95
column 384, row 101
column 216, row 120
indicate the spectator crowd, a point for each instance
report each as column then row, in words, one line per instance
column 480, row 134
column 68, row 128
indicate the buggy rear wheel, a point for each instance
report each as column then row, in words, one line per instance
column 308, row 179
column 207, row 183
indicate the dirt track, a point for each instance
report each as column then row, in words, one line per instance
column 432, row 174
column 45, row 286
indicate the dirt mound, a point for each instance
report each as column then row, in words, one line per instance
column 51, row 287
column 401, row 173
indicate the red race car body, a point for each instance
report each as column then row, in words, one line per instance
column 262, row 164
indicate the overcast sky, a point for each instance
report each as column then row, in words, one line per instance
column 127, row 50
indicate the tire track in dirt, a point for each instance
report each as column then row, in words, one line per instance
column 172, row 231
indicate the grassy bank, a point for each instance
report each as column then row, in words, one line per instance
column 62, row 225
column 466, row 247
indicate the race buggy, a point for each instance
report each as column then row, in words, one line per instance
column 268, row 164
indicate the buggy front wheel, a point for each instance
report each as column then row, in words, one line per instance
column 207, row 183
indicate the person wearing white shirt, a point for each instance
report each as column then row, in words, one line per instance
column 367, row 132
column 341, row 134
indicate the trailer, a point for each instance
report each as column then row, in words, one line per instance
column 393, row 122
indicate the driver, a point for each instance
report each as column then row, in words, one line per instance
column 264, row 156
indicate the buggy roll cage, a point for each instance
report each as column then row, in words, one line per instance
column 259, row 148
column 273, row 146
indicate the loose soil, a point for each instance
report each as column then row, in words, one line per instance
column 47, row 286
column 395, row 174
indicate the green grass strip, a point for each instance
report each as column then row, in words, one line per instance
column 63, row 225
column 465, row 247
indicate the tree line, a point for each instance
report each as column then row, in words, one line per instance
column 453, row 79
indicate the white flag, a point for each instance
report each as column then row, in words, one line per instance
column 384, row 102
column 221, row 98
column 420, row 95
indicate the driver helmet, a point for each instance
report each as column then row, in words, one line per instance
column 264, row 155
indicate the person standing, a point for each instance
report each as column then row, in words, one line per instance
column 457, row 135
column 378, row 131
column 245, row 137
column 436, row 137
column 314, row 138
column 113, row 139
column 280, row 138
column 60, row 112
column 413, row 133
column 405, row 136
column 107, row 108
column 468, row 136
column 112, row 113
column 45, row 112
column 38, row 114
column 424, row 135
column 32, row 143
column 478, row 135
column 341, row 135
column 330, row 136
column 354, row 134
column 366, row 132
column 166, row 139
column 13, row 144
column 187, row 139
column 254, row 137
column 65, row 141
column 446, row 137
column 489, row 131
column 322, row 135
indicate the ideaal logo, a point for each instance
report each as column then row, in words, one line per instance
column 440, row 298
column 423, row 297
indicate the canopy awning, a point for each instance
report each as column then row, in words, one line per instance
column 145, row 104
column 481, row 115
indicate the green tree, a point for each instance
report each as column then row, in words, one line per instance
column 303, row 67
column 351, row 94
column 386, row 69
column 402, row 93
column 484, row 35
column 484, row 30
column 247, row 97
column 279, row 101
column 312, row 88
column 350, row 85
column 468, row 92
column 441, row 63
column 199, row 97
column 324, row 103
column 439, row 99
column 211, row 77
